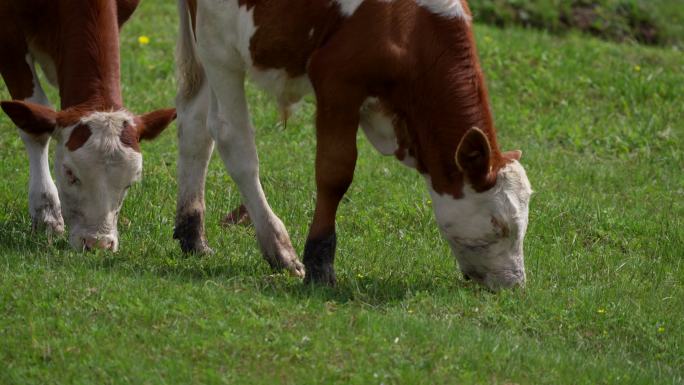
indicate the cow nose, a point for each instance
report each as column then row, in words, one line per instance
column 104, row 243
column 506, row 279
column 495, row 281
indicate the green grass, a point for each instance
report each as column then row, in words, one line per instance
column 601, row 130
column 656, row 22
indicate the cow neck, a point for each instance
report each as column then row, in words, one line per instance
column 446, row 97
column 88, row 64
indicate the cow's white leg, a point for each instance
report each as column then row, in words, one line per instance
column 195, row 146
column 231, row 129
column 44, row 205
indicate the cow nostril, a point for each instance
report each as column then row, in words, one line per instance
column 89, row 243
column 473, row 275
column 107, row 244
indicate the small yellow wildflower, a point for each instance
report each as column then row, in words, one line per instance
column 429, row 202
column 143, row 40
column 601, row 311
column 637, row 68
column 661, row 330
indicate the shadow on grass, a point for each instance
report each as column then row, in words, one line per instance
column 251, row 273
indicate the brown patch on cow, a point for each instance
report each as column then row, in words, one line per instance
column 473, row 158
column 289, row 31
column 80, row 134
column 13, row 50
column 150, row 125
column 34, row 119
column 81, row 37
column 129, row 137
column 125, row 9
column 147, row 127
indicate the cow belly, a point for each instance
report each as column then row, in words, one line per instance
column 287, row 90
column 378, row 125
column 46, row 63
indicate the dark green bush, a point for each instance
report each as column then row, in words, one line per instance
column 619, row 20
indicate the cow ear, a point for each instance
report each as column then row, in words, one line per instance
column 513, row 155
column 33, row 118
column 473, row 155
column 153, row 123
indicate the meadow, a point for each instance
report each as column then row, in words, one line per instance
column 601, row 127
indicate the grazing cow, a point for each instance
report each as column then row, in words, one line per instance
column 76, row 42
column 406, row 71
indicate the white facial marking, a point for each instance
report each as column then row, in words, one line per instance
column 486, row 230
column 94, row 178
column 445, row 8
column 311, row 32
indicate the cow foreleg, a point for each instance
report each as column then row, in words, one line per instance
column 336, row 126
column 21, row 79
column 195, row 146
column 230, row 127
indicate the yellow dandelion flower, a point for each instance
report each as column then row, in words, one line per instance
column 661, row 330
column 637, row 68
column 601, row 311
column 143, row 40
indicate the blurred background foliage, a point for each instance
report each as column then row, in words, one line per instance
column 652, row 22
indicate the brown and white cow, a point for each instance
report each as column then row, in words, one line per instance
column 406, row 71
column 76, row 42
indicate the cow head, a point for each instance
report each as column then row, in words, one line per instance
column 486, row 226
column 97, row 158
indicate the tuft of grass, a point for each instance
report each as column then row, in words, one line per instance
column 601, row 130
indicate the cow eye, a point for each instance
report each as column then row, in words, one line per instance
column 70, row 177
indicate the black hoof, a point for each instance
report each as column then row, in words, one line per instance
column 319, row 258
column 189, row 232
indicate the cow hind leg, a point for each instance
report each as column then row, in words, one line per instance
column 230, row 127
column 195, row 146
column 23, row 84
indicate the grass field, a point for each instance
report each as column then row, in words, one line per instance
column 601, row 128
column 655, row 22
